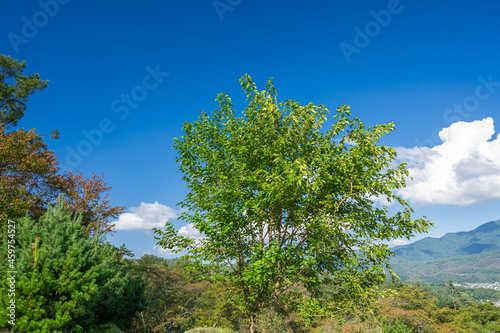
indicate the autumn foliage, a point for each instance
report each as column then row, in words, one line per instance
column 30, row 179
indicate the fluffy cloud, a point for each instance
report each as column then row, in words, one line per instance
column 145, row 217
column 190, row 231
column 463, row 170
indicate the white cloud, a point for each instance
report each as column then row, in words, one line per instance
column 158, row 250
column 145, row 217
column 190, row 231
column 397, row 242
column 463, row 170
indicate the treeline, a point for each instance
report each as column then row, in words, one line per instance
column 181, row 300
column 445, row 293
column 71, row 283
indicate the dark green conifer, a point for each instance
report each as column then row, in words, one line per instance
column 66, row 281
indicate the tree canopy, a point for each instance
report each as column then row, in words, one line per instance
column 15, row 89
column 282, row 203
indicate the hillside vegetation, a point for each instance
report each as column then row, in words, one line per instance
column 476, row 268
column 179, row 303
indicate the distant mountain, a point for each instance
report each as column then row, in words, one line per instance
column 469, row 256
column 483, row 239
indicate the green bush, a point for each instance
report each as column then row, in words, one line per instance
column 66, row 281
column 108, row 328
column 270, row 321
column 394, row 326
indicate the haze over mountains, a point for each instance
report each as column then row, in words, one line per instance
column 470, row 256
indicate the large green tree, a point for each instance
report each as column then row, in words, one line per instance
column 283, row 203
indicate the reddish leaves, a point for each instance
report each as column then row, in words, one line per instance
column 30, row 179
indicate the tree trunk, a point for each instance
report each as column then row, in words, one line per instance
column 252, row 324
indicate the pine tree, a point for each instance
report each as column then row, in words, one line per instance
column 66, row 281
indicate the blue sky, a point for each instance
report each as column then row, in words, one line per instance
column 129, row 73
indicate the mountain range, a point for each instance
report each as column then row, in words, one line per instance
column 468, row 256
